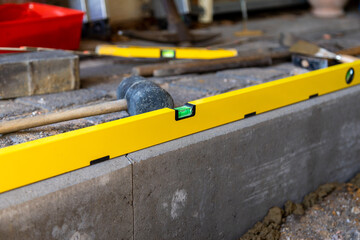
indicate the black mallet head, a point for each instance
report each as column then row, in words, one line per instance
column 143, row 95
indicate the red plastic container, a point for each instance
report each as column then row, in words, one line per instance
column 40, row 25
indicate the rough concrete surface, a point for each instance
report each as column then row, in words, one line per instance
column 10, row 109
column 69, row 99
column 218, row 183
column 35, row 73
column 87, row 204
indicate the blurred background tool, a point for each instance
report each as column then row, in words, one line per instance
column 306, row 48
column 183, row 7
column 207, row 14
column 309, row 63
column 245, row 32
column 177, row 32
column 41, row 49
column 96, row 19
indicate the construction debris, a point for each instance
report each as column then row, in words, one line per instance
column 297, row 219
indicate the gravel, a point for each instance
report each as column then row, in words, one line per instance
column 332, row 212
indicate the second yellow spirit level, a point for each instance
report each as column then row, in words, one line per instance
column 164, row 52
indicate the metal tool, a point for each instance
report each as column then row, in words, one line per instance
column 245, row 32
column 306, row 48
column 310, row 63
column 96, row 19
column 177, row 31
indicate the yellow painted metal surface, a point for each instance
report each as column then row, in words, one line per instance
column 40, row 159
column 152, row 52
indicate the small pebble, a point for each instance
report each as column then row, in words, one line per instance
column 355, row 210
column 327, row 36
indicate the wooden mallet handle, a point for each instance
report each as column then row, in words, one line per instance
column 40, row 120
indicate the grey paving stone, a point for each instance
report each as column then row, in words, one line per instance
column 33, row 73
column 6, row 141
column 57, row 101
column 87, row 204
column 348, row 42
column 170, row 79
column 10, row 109
column 107, row 117
column 206, row 83
column 105, row 67
column 228, row 80
column 289, row 69
column 250, row 75
column 108, row 84
column 183, row 94
column 257, row 46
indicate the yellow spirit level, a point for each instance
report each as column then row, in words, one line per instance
column 44, row 158
column 165, row 52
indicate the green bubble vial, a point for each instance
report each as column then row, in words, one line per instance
column 168, row 53
column 184, row 111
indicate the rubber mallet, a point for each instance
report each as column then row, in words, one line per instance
column 135, row 94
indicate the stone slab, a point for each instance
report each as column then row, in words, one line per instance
column 87, row 204
column 10, row 109
column 28, row 74
column 183, row 94
column 70, row 99
column 216, row 184
column 228, row 80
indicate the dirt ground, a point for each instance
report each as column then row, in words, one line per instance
column 332, row 212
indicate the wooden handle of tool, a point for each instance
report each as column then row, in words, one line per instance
column 40, row 120
column 348, row 58
column 180, row 67
column 350, row 51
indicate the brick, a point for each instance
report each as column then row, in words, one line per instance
column 35, row 73
column 90, row 203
